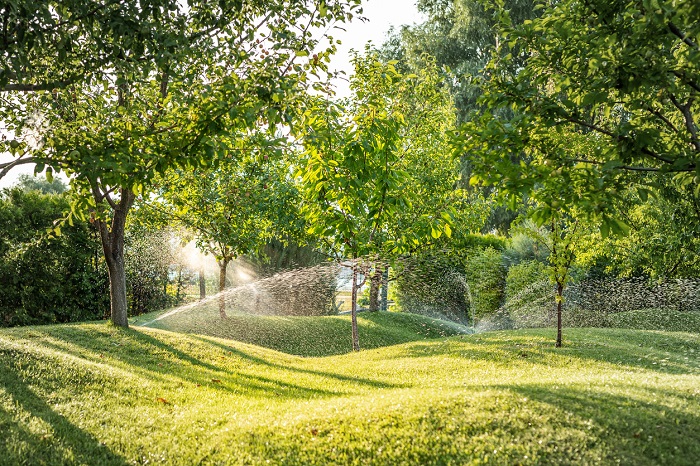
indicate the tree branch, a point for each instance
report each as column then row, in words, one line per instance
column 684, row 38
column 6, row 167
column 688, row 118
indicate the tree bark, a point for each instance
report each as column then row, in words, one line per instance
column 113, row 247
column 384, row 306
column 202, row 284
column 353, row 311
column 223, row 264
column 374, row 284
column 560, row 293
column 178, row 292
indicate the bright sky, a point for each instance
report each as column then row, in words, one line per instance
column 381, row 15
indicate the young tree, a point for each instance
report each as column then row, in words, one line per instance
column 234, row 209
column 171, row 97
column 561, row 236
column 360, row 168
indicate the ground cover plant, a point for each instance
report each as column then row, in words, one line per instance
column 95, row 394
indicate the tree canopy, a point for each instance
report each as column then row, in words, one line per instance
column 606, row 100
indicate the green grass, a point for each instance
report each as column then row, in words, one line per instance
column 307, row 336
column 93, row 394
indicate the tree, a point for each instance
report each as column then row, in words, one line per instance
column 606, row 101
column 357, row 170
column 236, row 208
column 561, row 236
column 34, row 183
column 177, row 98
column 663, row 240
column 461, row 36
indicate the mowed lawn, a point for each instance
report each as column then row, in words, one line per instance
column 93, row 394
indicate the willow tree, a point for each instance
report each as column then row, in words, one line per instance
column 165, row 85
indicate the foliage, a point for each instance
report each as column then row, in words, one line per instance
column 175, row 94
column 521, row 246
column 662, row 243
column 359, row 162
column 47, row 279
column 606, row 101
column 460, row 35
column 236, row 208
column 523, row 275
column 34, row 183
column 485, row 274
column 441, row 401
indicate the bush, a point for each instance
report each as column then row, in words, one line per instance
column 47, row 280
column 523, row 275
column 485, row 275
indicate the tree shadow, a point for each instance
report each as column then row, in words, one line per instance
column 323, row 374
column 140, row 353
column 646, row 350
column 65, row 444
column 631, row 429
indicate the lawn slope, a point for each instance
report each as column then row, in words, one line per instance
column 94, row 394
column 307, row 336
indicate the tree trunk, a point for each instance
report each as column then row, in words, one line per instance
column 202, row 284
column 353, row 311
column 113, row 248
column 117, row 290
column 178, row 292
column 223, row 264
column 384, row 306
column 560, row 293
column 374, row 284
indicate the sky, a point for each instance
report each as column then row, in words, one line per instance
column 380, row 14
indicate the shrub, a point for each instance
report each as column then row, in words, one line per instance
column 47, row 280
column 485, row 275
column 523, row 275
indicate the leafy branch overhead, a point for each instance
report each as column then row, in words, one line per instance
column 607, row 99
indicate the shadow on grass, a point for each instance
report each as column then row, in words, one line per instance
column 631, row 428
column 140, row 353
column 329, row 375
column 145, row 354
column 64, row 443
column 663, row 352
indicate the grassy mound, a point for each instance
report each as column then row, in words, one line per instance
column 309, row 336
column 94, row 394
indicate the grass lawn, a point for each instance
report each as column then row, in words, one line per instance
column 305, row 336
column 93, row 394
